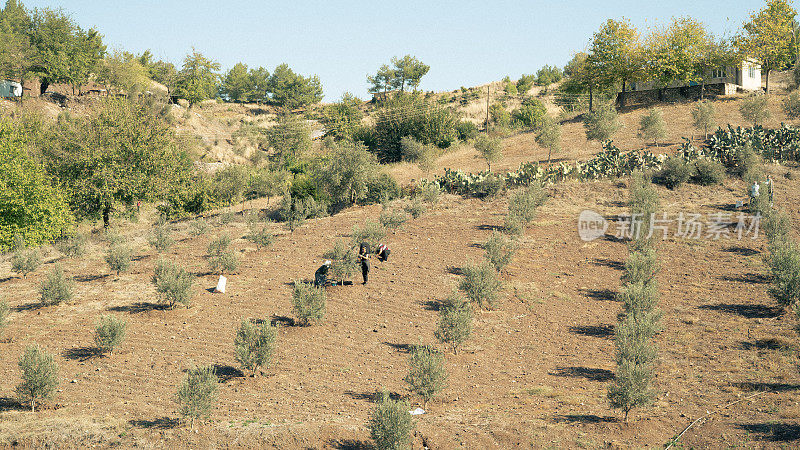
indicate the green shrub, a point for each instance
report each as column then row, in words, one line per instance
column 56, row 288
column 343, row 261
column 525, row 83
column 784, row 266
column 39, row 376
column 199, row 226
column 161, row 238
column 109, row 334
column 754, row 109
column 638, row 297
column 384, row 186
column 416, row 208
column 631, row 386
column 499, row 115
column 602, row 123
column 430, row 192
column 466, row 130
column 219, row 245
column 644, row 204
column 371, row 232
column 118, row 258
column 4, row 310
column 254, row 345
column 522, row 204
column 173, row 283
column 708, row 172
column 221, row 258
column 73, row 246
column 652, row 127
column 489, row 187
column 674, row 172
column 791, row 105
column 226, row 217
column 531, row 114
column 390, row 425
column 392, row 219
column 309, row 302
column 261, row 236
column 513, row 226
column 113, row 238
column 703, row 116
column 748, row 164
column 455, row 322
column 499, row 251
column 426, row 375
column 197, row 394
column 490, row 148
column 25, row 261
column 481, row 284
column 641, row 266
column 776, row 225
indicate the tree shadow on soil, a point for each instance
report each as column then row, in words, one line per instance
column 81, row 353
column 614, row 264
column 10, row 404
column 453, row 270
column 370, row 396
column 28, row 307
column 774, row 432
column 765, row 344
column 431, row 305
column 405, row 348
column 90, row 278
column 490, row 227
column 584, row 372
column 600, row 294
column 753, row 278
column 162, row 423
column 584, row 418
column 745, row 310
column 598, row 331
column 349, row 444
column 139, row 307
column 743, row 251
column 283, row 321
column 226, row 373
column 761, row 386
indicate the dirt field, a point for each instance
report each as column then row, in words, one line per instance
column 534, row 374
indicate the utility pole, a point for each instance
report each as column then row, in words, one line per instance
column 486, row 125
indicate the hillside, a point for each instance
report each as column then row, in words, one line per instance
column 533, row 375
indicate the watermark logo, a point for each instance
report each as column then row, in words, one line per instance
column 591, row 225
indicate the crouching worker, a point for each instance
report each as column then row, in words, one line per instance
column 363, row 258
column 321, row 275
column 382, row 252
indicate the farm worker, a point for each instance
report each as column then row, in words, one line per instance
column 770, row 191
column 363, row 257
column 754, row 191
column 321, row 275
column 383, row 252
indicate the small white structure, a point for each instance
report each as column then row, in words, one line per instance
column 727, row 80
column 221, row 285
column 10, row 89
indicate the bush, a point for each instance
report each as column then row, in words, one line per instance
column 455, row 322
column 384, row 186
column 489, row 187
column 262, row 237
column 631, row 386
column 776, row 225
column 343, row 261
column 754, row 109
column 522, row 204
column 226, row 218
column 430, row 192
column 199, row 226
column 309, row 302
column 221, row 258
column 118, row 258
column 25, row 261
column 372, row 233
column 708, row 172
column 602, row 123
column 39, row 376
column 531, row 114
column 791, row 105
column 426, row 375
column 173, row 283
column 641, row 266
column 73, row 246
column 56, row 288
column 525, row 83
column 499, row 251
column 490, row 148
column 784, row 266
column 392, row 219
column 703, row 116
column 4, row 309
column 481, row 284
column 197, row 394
column 513, row 226
column 748, row 164
column 110, row 332
column 652, row 126
column 416, row 208
column 644, row 203
column 638, row 297
column 390, row 425
column 499, row 115
column 161, row 238
column 674, row 172
column 254, row 345
column 466, row 130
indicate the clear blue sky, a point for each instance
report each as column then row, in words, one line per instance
column 465, row 42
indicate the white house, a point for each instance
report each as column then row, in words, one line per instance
column 10, row 89
column 724, row 80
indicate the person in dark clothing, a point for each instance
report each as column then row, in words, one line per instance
column 382, row 252
column 363, row 257
column 321, row 275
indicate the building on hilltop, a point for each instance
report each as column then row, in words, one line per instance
column 728, row 80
